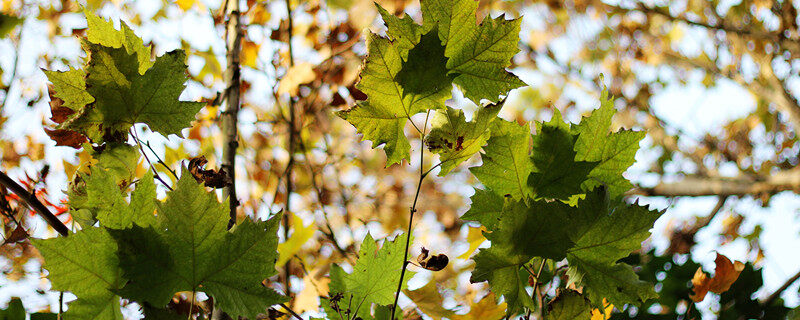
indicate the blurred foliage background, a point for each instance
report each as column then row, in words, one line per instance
column 714, row 83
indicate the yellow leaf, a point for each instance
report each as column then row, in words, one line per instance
column 428, row 299
column 299, row 236
column 259, row 14
column 250, row 53
column 675, row 34
column 313, row 288
column 475, row 239
column 606, row 314
column 297, row 75
column 85, row 160
column 185, row 4
column 486, row 309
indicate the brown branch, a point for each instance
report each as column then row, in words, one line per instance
column 745, row 32
column 775, row 295
column 693, row 186
column 232, row 95
column 34, row 204
column 704, row 221
column 292, row 141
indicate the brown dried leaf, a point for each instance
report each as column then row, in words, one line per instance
column 433, row 263
column 725, row 274
column 66, row 138
column 19, row 234
column 211, row 178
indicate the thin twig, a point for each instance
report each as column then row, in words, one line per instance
column 330, row 234
column 159, row 160
column 146, row 158
column 775, row 295
column 294, row 314
column 536, row 290
column 292, row 142
column 34, row 204
column 422, row 175
column 232, row 101
column 13, row 72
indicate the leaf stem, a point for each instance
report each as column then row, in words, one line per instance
column 536, row 290
column 422, row 175
column 146, row 158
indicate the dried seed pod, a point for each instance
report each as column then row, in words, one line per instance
column 434, row 262
column 211, row 178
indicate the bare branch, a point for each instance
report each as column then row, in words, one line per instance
column 775, row 295
column 292, row 147
column 34, row 204
column 232, row 95
column 693, row 186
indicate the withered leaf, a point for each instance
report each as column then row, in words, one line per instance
column 66, row 138
column 432, row 262
column 61, row 113
column 17, row 235
column 725, row 274
column 210, row 177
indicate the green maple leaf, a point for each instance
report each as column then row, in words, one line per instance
column 189, row 249
column 601, row 238
column 86, row 264
column 503, row 272
column 102, row 191
column 569, row 305
column 374, row 278
column 383, row 117
column 121, row 86
column 424, row 71
column 454, row 139
column 124, row 97
column 614, row 152
column 102, row 32
column 115, row 212
column 486, row 208
column 534, row 229
column 506, row 164
column 477, row 53
column 70, row 86
column 556, row 173
column 523, row 231
column 404, row 31
column 413, row 71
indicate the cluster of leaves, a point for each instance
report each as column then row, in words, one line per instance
column 413, row 72
column 557, row 195
column 551, row 196
column 131, row 245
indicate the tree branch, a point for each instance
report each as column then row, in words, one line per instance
column 34, row 204
column 693, row 186
column 292, row 141
column 775, row 295
column 232, row 100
